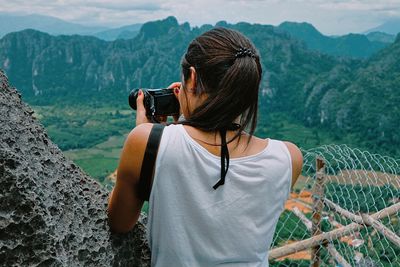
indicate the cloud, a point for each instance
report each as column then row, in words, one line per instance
column 329, row 16
column 125, row 6
column 358, row 5
column 92, row 12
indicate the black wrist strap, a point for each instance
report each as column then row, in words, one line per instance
column 149, row 159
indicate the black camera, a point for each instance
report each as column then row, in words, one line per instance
column 157, row 102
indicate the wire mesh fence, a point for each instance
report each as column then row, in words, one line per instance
column 343, row 213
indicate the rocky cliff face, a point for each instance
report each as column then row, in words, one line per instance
column 51, row 213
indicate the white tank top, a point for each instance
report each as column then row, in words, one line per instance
column 191, row 224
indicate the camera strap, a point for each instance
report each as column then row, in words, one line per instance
column 146, row 173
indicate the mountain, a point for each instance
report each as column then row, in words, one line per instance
column 354, row 100
column 389, row 27
column 304, row 31
column 45, row 66
column 12, row 23
column 125, row 32
column 81, row 69
column 363, row 101
column 381, row 37
column 350, row 45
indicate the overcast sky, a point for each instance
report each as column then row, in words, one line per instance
column 329, row 16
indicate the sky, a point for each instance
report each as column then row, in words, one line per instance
column 331, row 17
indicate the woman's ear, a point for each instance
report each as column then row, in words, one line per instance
column 191, row 82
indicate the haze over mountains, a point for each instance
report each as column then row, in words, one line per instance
column 355, row 100
column 124, row 32
column 392, row 27
column 12, row 23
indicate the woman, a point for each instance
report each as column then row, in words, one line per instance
column 217, row 191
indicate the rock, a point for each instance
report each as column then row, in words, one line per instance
column 51, row 212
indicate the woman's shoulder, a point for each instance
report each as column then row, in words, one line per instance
column 292, row 148
column 139, row 134
column 294, row 151
column 296, row 158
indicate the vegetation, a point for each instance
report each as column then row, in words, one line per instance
column 291, row 263
column 91, row 136
column 79, row 87
column 79, row 126
column 364, row 198
column 330, row 99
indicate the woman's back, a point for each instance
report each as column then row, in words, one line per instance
column 191, row 224
column 212, row 203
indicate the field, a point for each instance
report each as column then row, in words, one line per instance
column 100, row 160
column 90, row 136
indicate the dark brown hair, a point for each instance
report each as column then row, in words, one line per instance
column 231, row 82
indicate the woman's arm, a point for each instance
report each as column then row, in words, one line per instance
column 297, row 161
column 124, row 206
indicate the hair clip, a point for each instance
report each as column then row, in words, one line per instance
column 244, row 52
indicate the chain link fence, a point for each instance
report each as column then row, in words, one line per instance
column 344, row 212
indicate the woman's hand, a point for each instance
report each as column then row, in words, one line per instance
column 176, row 86
column 141, row 110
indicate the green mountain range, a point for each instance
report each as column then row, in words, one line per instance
column 381, row 37
column 361, row 100
column 350, row 45
column 339, row 99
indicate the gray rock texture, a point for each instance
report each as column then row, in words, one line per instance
column 51, row 212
